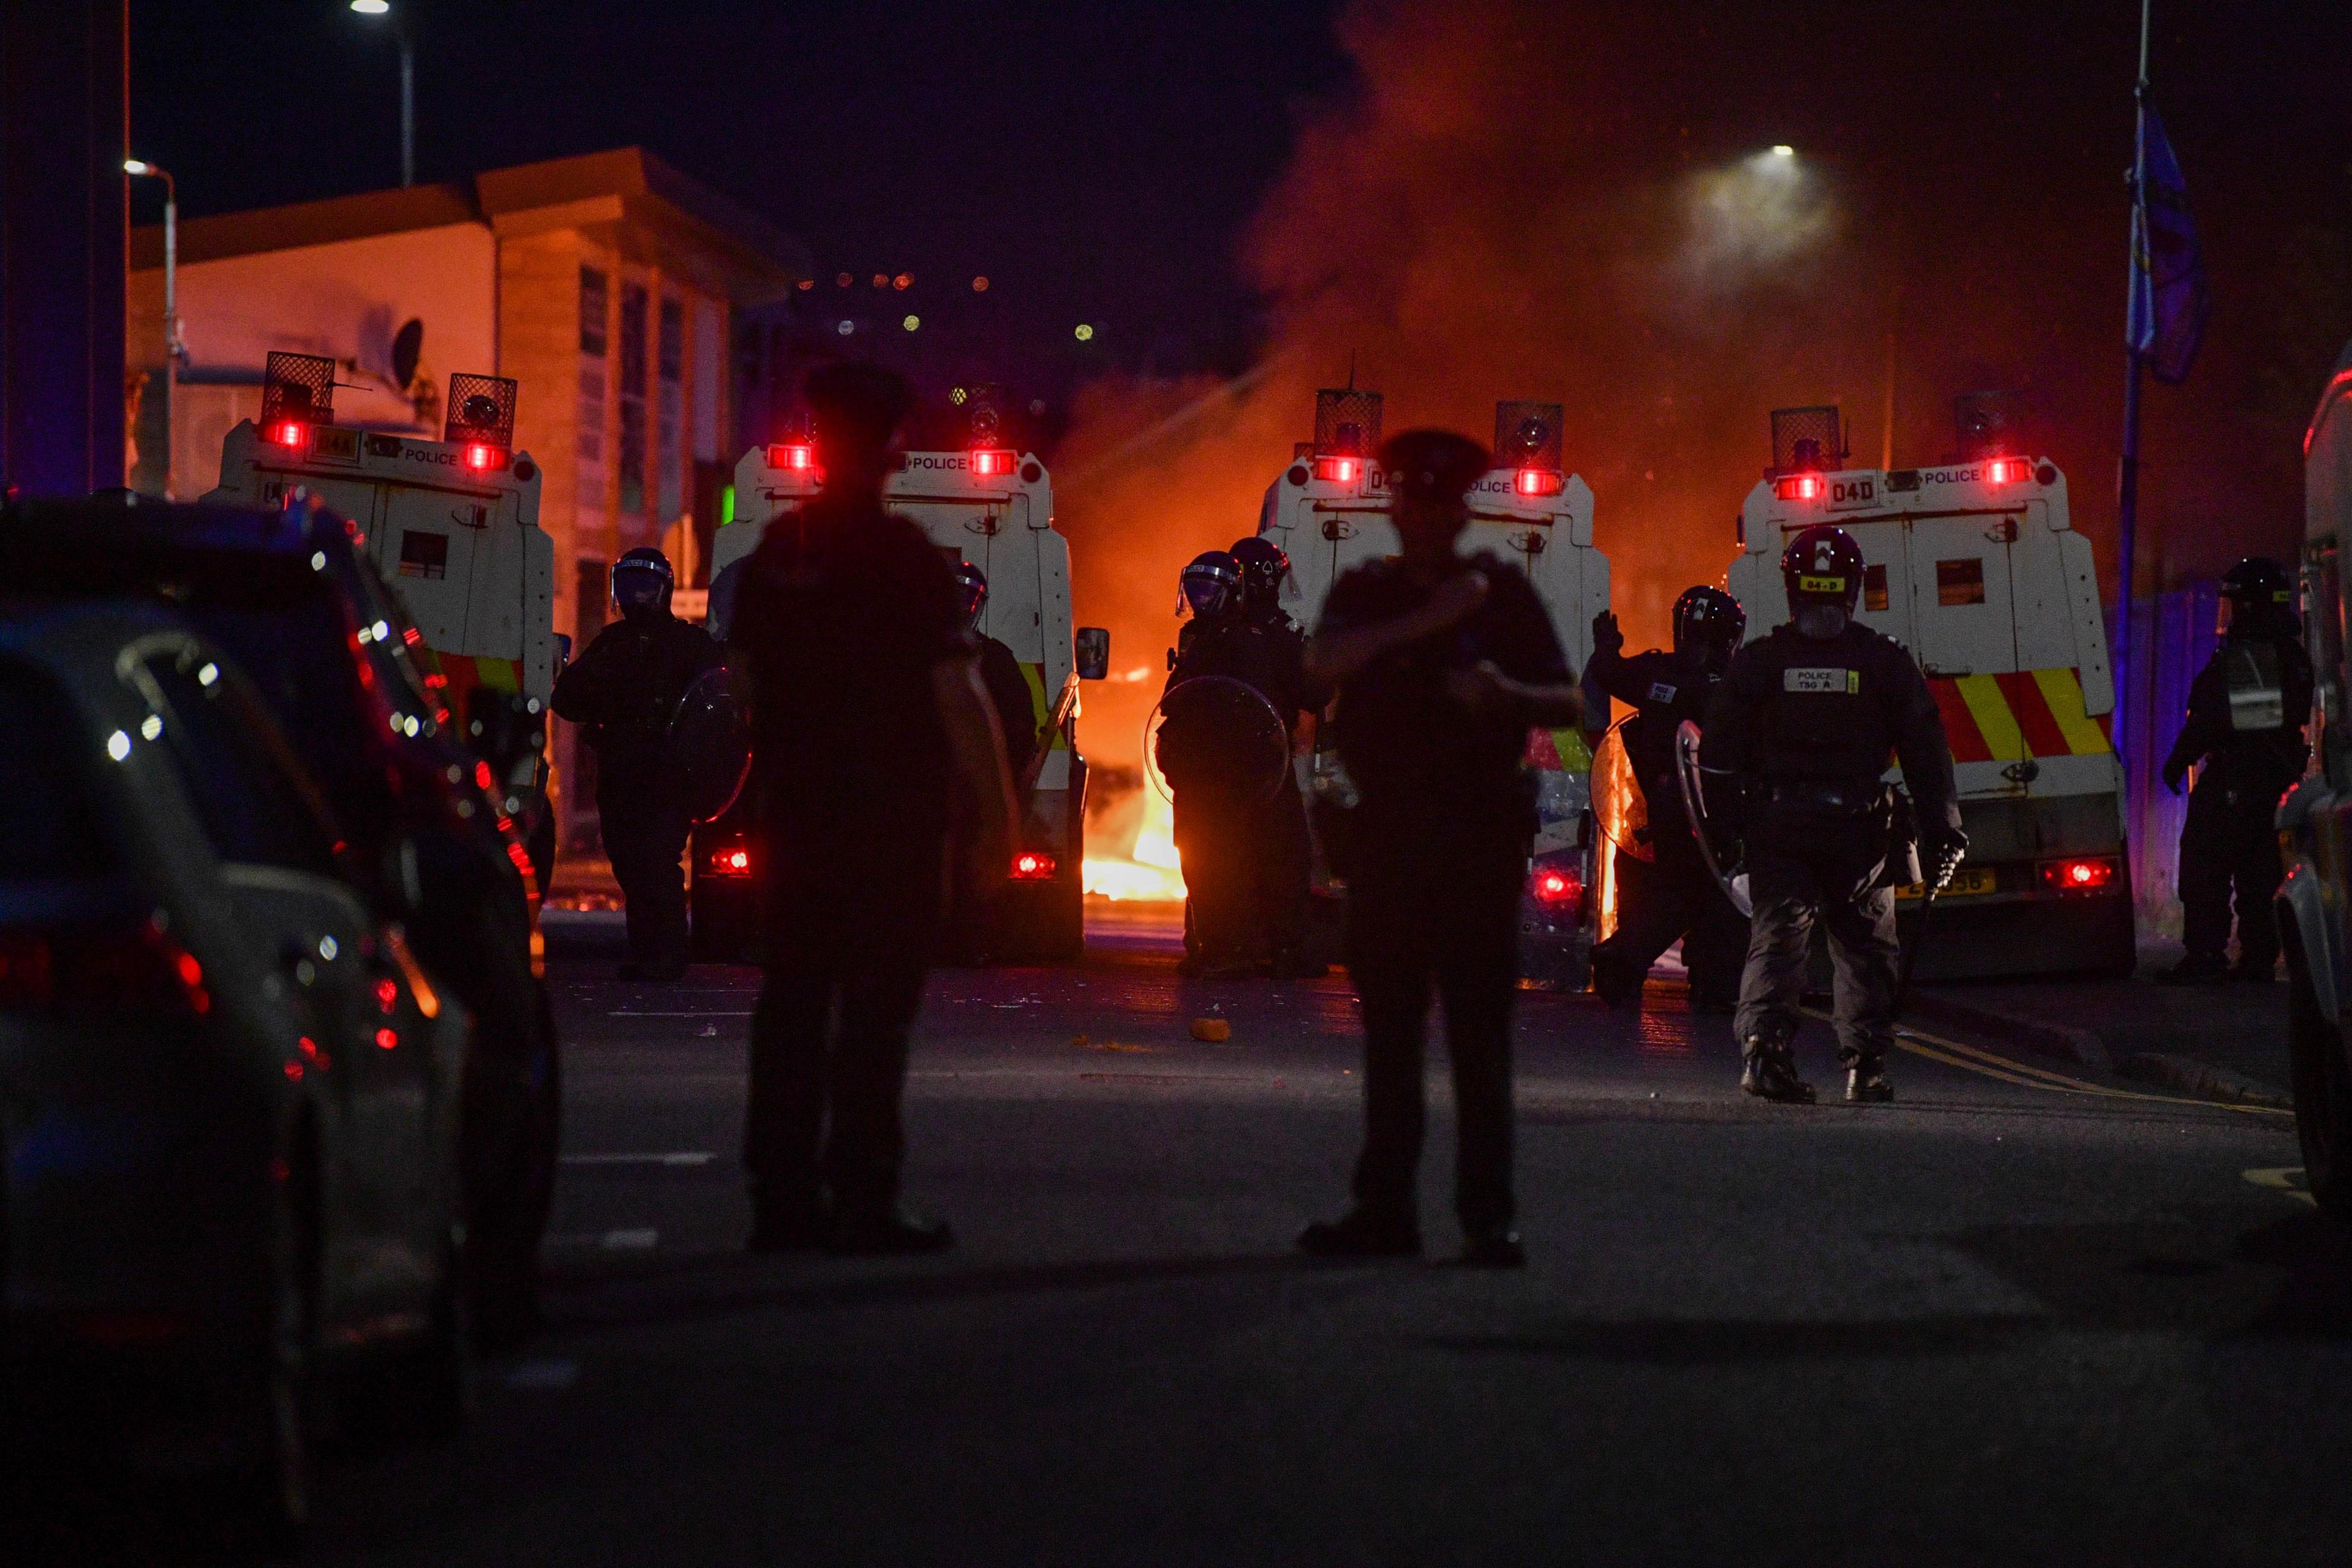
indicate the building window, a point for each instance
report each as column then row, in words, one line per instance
column 633, row 399
column 670, row 359
column 591, row 312
column 593, row 301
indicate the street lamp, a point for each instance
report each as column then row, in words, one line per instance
column 407, row 83
column 138, row 168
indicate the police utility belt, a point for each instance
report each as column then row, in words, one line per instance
column 1836, row 799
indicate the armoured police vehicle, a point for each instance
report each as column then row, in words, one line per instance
column 1974, row 566
column 992, row 506
column 1328, row 511
column 453, row 525
column 2316, row 822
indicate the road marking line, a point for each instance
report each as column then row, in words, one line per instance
column 1990, row 1064
column 628, row 1013
column 2281, row 1179
column 544, row 1376
column 682, row 1157
column 630, row 1241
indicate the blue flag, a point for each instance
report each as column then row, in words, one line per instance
column 2169, row 300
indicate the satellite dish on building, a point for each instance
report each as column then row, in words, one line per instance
column 406, row 348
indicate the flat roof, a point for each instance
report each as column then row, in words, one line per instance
column 623, row 184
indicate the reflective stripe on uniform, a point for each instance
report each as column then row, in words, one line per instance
column 2026, row 714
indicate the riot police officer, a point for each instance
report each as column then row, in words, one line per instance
column 624, row 690
column 2246, row 711
column 1441, row 664
column 1802, row 725
column 1224, row 746
column 1000, row 672
column 1672, row 895
column 1284, row 863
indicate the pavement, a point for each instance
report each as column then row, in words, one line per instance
column 2031, row 1313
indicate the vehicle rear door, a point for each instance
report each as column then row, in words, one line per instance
column 1962, row 599
column 283, row 864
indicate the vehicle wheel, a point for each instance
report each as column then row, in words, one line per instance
column 2323, row 1090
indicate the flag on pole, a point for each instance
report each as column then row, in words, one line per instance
column 2169, row 300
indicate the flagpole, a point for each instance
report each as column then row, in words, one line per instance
column 2127, row 468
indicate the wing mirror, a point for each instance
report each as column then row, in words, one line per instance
column 1094, row 652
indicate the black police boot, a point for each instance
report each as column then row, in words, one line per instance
column 1771, row 1071
column 797, row 1224
column 2257, row 973
column 892, row 1229
column 1614, row 982
column 1363, row 1233
column 1290, row 963
column 2197, row 969
column 1493, row 1247
column 1865, row 1084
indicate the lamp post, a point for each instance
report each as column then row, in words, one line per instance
column 400, row 30
column 138, row 168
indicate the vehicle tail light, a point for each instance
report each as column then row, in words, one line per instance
column 287, row 433
column 1339, row 470
column 87, row 969
column 482, row 458
column 1556, row 887
column 792, row 457
column 2005, row 470
column 2093, row 873
column 1798, row 487
column 727, row 860
column 1537, row 482
column 992, row 462
column 1033, row 866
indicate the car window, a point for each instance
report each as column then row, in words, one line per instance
column 49, row 827
column 254, row 809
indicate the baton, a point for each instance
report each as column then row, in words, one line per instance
column 1911, row 953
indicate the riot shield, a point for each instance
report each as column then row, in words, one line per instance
column 1221, row 735
column 710, row 744
column 1687, row 773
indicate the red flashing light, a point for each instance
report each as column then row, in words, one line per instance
column 2093, row 875
column 727, row 860
column 1339, row 470
column 1537, row 482
column 792, row 457
column 288, row 433
column 991, row 461
column 482, row 776
column 1033, row 866
column 387, row 995
column 2005, row 470
column 1555, row 887
column 88, row 969
column 482, row 458
column 385, row 1039
column 1798, row 487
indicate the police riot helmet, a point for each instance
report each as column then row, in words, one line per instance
column 1708, row 621
column 1263, row 566
column 1211, row 585
column 642, row 581
column 1822, row 569
column 971, row 582
column 2261, row 595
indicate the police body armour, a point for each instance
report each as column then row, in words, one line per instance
column 2257, row 695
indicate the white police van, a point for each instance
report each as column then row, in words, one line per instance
column 1329, row 512
column 1974, row 566
column 453, row 525
column 994, row 507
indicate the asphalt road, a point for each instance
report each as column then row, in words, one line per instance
column 2009, row 1318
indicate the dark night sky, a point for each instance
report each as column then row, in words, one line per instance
column 1112, row 163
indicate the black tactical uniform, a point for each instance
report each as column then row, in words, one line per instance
column 1009, row 691
column 1803, row 725
column 624, row 690
column 2246, row 711
column 1439, row 859
column 1284, row 865
column 1673, row 896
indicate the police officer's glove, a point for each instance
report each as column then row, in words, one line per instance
column 1606, row 637
column 1949, row 851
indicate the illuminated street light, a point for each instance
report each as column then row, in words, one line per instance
column 138, row 168
column 911, row 322
column 399, row 29
column 1086, row 333
column 1783, row 150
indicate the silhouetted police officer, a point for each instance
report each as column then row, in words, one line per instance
column 1283, row 864
column 868, row 717
column 624, row 690
column 1441, row 665
column 1803, row 724
column 1000, row 672
column 2246, row 713
column 1673, row 896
